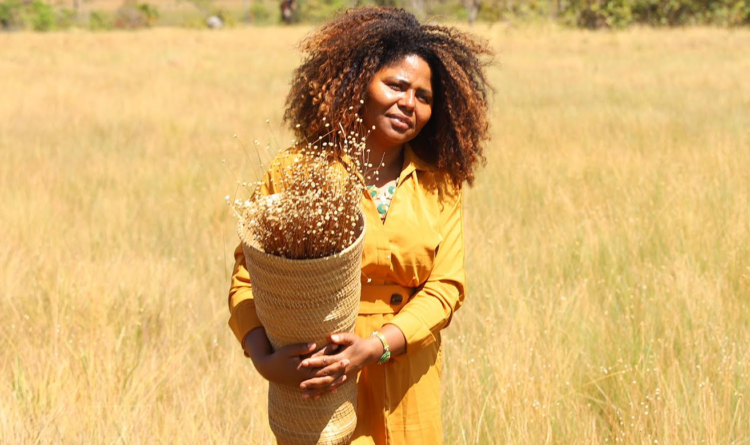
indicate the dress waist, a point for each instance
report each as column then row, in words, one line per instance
column 384, row 299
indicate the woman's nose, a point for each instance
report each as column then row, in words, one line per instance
column 408, row 99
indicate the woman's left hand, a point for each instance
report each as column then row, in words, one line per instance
column 354, row 354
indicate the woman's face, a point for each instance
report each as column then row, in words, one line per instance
column 398, row 102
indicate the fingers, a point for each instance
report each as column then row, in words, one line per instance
column 344, row 338
column 315, row 394
column 340, row 381
column 328, row 350
column 321, row 361
column 316, row 387
column 324, row 377
column 324, row 357
column 335, row 368
column 297, row 349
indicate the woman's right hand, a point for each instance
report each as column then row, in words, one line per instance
column 282, row 366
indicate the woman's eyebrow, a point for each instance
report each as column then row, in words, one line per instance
column 403, row 82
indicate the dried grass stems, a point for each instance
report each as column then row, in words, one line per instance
column 318, row 186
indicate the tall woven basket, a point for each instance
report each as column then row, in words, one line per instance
column 300, row 301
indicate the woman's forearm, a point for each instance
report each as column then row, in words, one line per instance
column 256, row 345
column 396, row 339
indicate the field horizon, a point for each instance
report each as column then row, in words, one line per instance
column 607, row 237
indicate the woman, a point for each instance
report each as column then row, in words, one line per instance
column 423, row 89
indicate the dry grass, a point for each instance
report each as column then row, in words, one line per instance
column 314, row 210
column 607, row 239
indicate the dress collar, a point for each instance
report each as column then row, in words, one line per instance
column 412, row 162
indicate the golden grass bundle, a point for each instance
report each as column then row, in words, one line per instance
column 314, row 211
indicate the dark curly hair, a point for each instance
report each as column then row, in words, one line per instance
column 343, row 55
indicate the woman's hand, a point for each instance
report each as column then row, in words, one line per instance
column 331, row 371
column 282, row 366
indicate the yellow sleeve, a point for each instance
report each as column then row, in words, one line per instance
column 432, row 307
column 243, row 317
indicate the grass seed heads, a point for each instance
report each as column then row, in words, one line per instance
column 315, row 210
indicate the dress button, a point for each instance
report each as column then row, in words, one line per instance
column 396, row 299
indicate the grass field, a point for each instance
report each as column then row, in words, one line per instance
column 608, row 238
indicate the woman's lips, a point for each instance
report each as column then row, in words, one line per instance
column 400, row 122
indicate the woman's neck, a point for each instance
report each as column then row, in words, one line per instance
column 388, row 161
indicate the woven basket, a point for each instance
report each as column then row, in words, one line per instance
column 300, row 301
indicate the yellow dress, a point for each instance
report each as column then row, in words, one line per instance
column 412, row 277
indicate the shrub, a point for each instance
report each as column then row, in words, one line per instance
column 601, row 13
column 149, row 12
column 448, row 10
column 8, row 14
column 321, row 10
column 260, row 13
column 42, row 16
column 734, row 15
column 98, row 21
column 36, row 15
column 66, row 18
column 132, row 15
column 619, row 13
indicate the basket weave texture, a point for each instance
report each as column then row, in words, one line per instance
column 300, row 301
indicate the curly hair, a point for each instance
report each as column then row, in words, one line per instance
column 343, row 55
